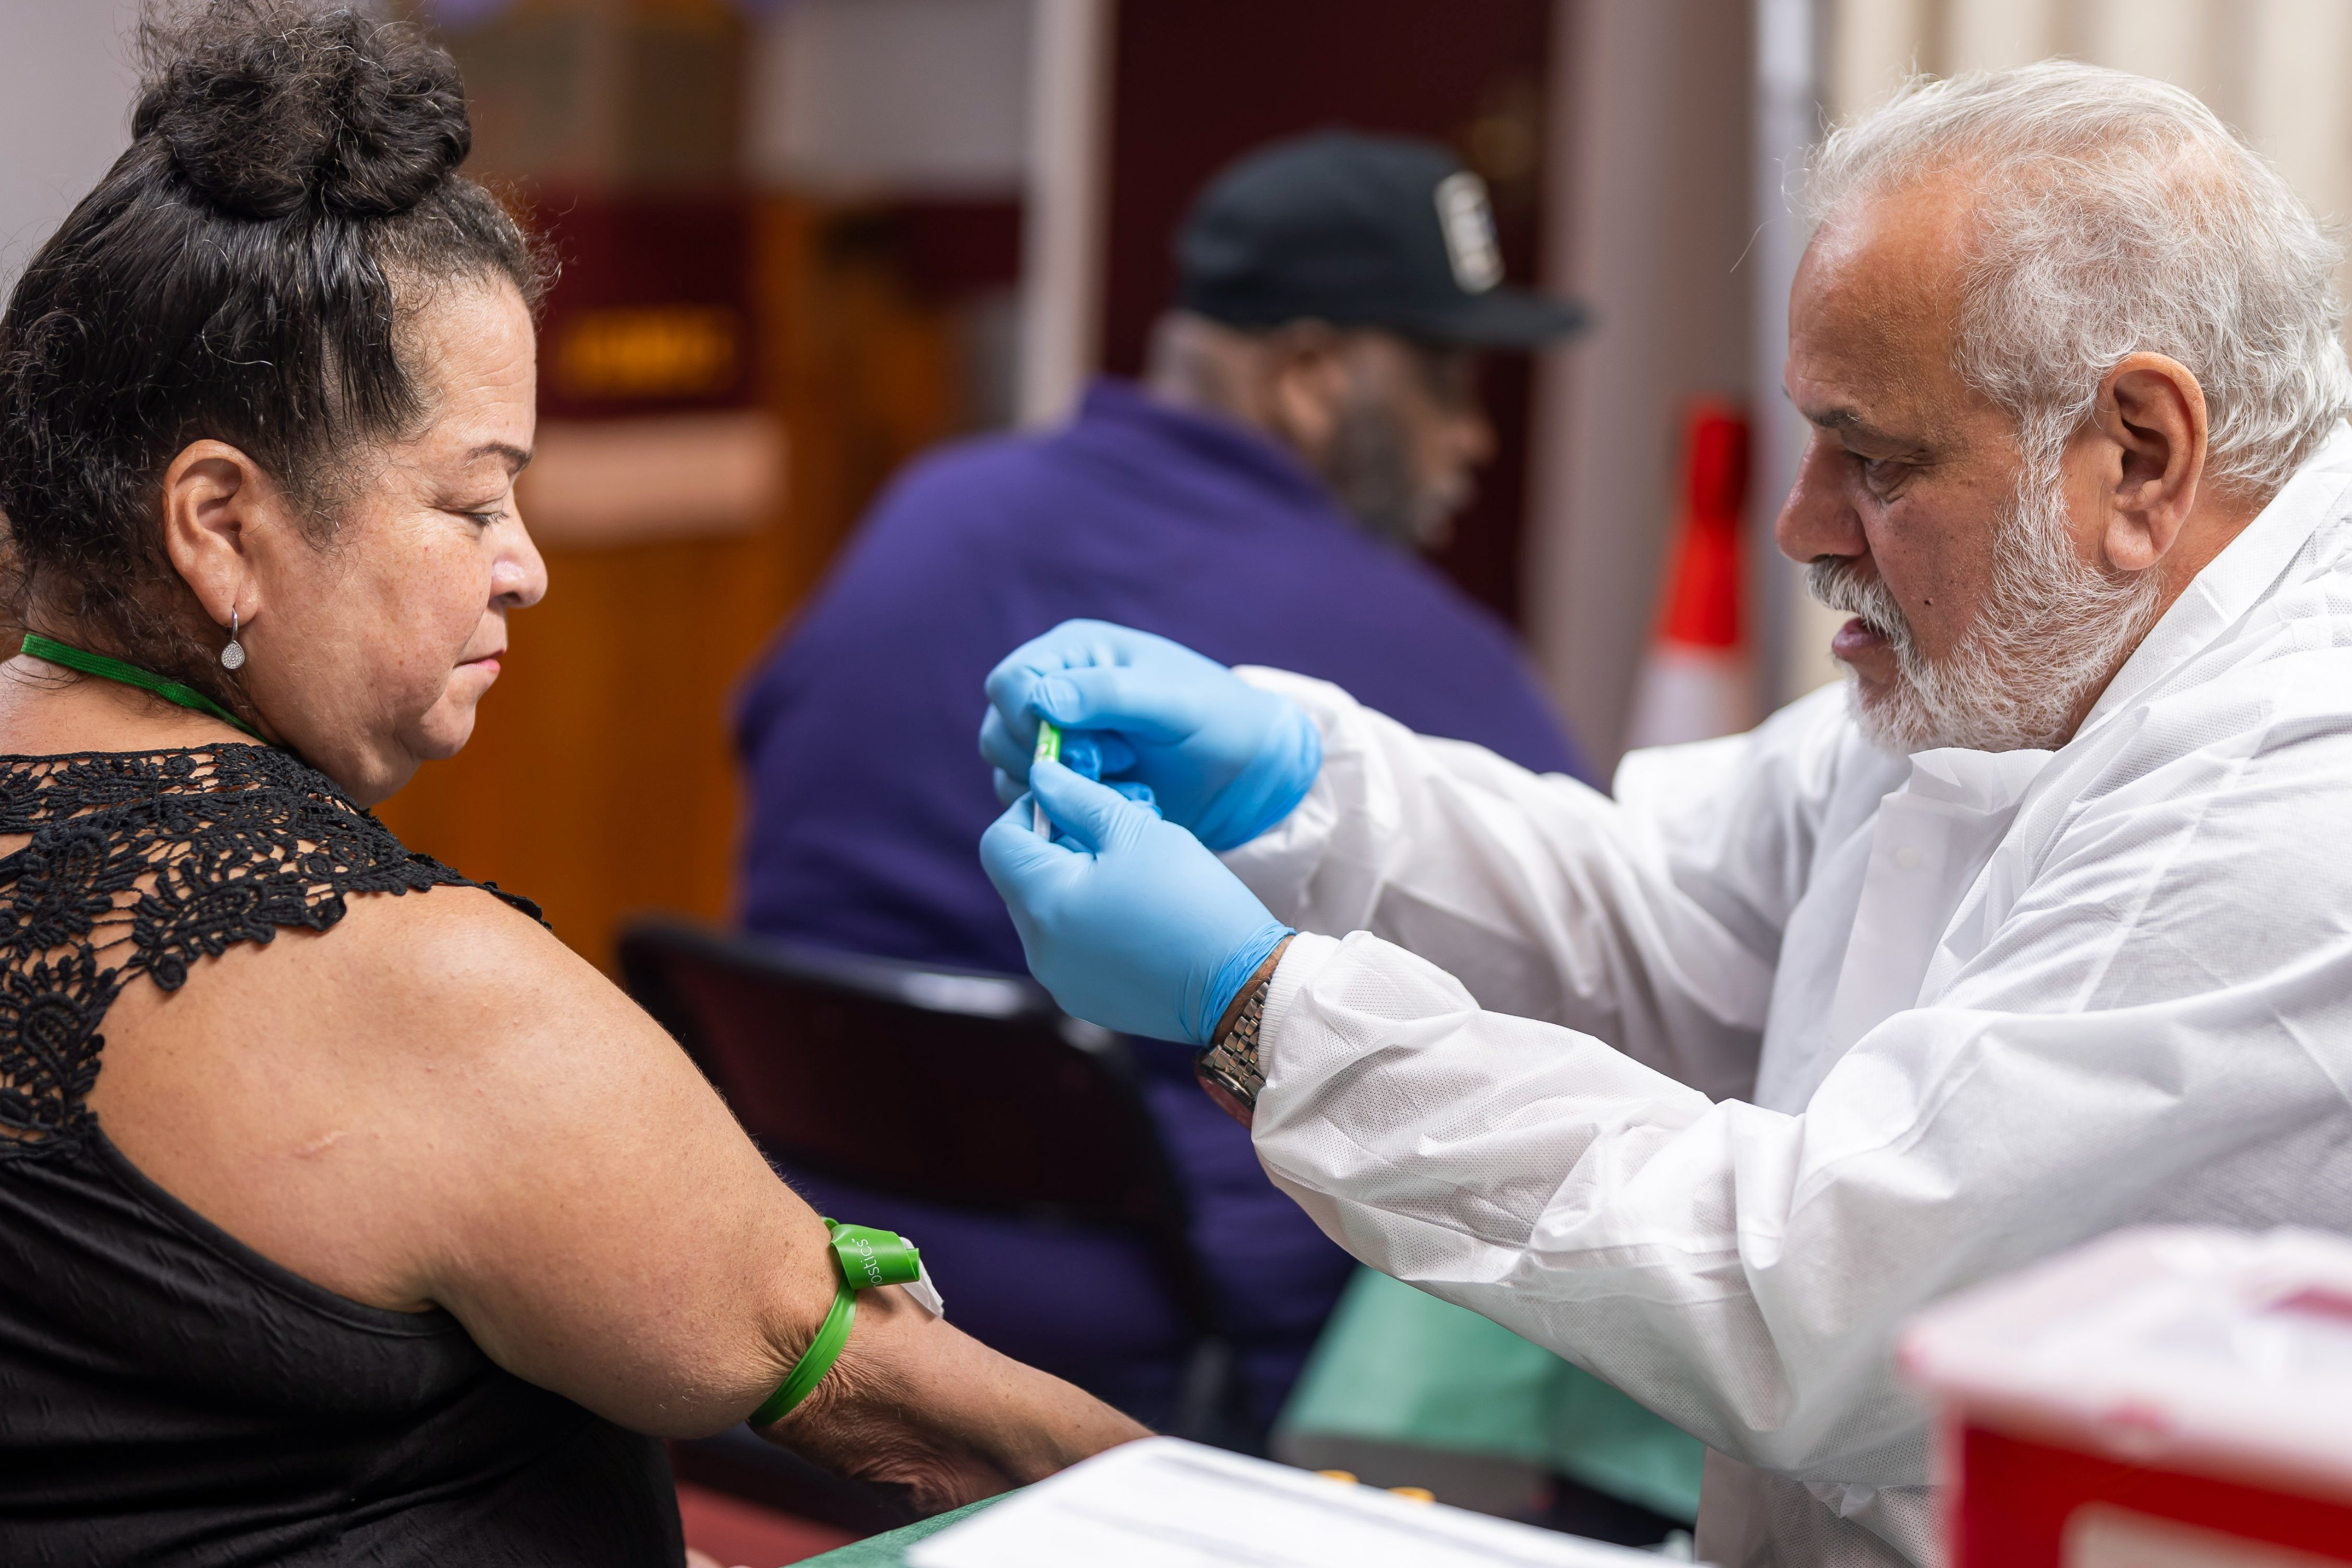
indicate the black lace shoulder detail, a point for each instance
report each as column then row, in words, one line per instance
column 142, row 863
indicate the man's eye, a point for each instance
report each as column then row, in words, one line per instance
column 486, row 518
column 1882, row 475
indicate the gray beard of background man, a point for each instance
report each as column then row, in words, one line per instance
column 1371, row 471
column 2055, row 630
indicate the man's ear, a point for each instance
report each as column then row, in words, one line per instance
column 1306, row 385
column 2151, row 414
column 215, row 497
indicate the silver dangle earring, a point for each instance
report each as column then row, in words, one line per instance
column 233, row 656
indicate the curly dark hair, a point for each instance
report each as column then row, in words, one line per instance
column 246, row 272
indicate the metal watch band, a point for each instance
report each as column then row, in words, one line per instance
column 1229, row 1069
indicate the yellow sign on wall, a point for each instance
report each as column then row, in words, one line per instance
column 648, row 352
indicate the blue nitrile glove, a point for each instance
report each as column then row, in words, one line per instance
column 1129, row 920
column 1090, row 754
column 1223, row 758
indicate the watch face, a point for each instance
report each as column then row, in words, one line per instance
column 1222, row 1090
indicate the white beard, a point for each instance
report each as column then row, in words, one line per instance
column 2052, row 634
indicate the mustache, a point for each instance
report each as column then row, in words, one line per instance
column 1843, row 586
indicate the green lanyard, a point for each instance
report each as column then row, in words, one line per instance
column 99, row 665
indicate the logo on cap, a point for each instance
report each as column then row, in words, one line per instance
column 1468, row 222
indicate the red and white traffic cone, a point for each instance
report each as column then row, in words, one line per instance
column 1696, row 681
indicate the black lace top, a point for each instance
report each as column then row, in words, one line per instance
column 167, row 1395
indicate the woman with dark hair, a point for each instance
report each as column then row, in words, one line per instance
column 336, row 1226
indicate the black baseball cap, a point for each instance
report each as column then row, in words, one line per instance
column 1359, row 231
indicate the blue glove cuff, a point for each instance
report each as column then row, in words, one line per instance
column 1231, row 976
column 1268, row 789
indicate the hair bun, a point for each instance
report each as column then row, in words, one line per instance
column 269, row 105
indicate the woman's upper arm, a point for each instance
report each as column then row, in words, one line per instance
column 581, row 1199
column 436, row 1102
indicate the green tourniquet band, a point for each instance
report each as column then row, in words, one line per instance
column 99, row 665
column 870, row 1257
column 865, row 1257
column 822, row 1351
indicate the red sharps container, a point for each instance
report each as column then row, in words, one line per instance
column 2161, row 1398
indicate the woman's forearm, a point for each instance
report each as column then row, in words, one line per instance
column 917, row 1402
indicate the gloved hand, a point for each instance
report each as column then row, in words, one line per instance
column 1222, row 758
column 1131, row 923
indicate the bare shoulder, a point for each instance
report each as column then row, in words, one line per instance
column 453, row 969
column 341, row 1100
column 421, row 982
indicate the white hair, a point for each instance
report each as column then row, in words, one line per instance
column 2117, row 215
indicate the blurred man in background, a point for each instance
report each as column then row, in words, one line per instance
column 1309, row 417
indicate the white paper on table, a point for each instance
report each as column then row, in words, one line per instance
column 1165, row 1503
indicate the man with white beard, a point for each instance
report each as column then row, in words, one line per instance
column 2044, row 929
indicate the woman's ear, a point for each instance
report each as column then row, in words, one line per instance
column 2151, row 414
column 215, row 500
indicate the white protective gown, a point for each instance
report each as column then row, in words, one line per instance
column 1708, row 1086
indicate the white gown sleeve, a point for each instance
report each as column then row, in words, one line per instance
column 1652, row 920
column 2154, row 1031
